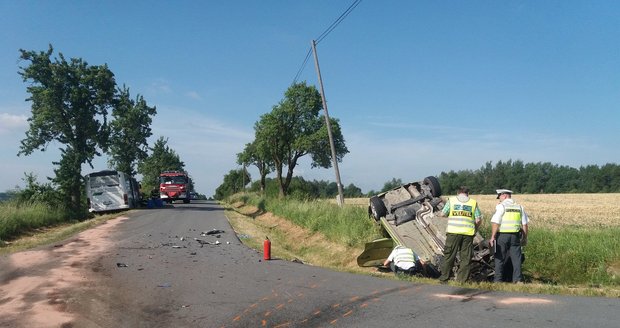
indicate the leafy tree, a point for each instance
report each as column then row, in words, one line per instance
column 392, row 184
column 610, row 174
column 272, row 188
column 328, row 189
column 352, row 191
column 450, row 181
column 534, row 182
column 70, row 102
column 516, row 178
column 302, row 189
column 590, row 179
column 562, row 179
column 294, row 128
column 234, row 182
column 162, row 158
column 130, row 130
column 251, row 156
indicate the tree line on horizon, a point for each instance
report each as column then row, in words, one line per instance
column 534, row 178
column 520, row 177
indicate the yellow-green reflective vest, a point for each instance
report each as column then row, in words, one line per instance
column 511, row 220
column 461, row 219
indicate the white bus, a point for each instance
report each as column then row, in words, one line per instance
column 111, row 190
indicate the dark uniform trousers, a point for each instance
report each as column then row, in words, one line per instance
column 508, row 247
column 463, row 246
column 397, row 270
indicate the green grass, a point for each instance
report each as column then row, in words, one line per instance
column 573, row 257
column 27, row 225
column 348, row 225
column 570, row 255
column 16, row 219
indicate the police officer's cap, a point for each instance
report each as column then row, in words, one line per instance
column 503, row 191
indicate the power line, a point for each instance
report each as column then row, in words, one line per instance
column 325, row 34
column 337, row 21
column 303, row 65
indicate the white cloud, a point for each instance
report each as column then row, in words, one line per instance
column 160, row 85
column 9, row 123
column 193, row 95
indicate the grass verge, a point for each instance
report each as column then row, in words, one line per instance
column 585, row 270
column 16, row 218
column 37, row 225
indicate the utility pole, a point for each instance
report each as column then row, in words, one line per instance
column 329, row 128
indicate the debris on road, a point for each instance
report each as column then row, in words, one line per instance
column 212, row 232
column 121, row 265
column 202, row 242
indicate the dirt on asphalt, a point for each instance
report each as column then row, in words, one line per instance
column 35, row 285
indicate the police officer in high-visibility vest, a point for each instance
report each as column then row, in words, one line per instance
column 508, row 235
column 464, row 217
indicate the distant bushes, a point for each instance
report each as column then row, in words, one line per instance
column 302, row 189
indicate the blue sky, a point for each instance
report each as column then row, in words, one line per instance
column 419, row 87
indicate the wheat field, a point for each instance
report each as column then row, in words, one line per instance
column 552, row 211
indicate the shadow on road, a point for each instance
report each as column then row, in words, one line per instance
column 195, row 205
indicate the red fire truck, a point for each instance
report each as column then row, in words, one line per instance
column 174, row 185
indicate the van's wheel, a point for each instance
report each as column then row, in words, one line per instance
column 377, row 208
column 433, row 185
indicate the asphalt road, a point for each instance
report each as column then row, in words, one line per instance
column 156, row 274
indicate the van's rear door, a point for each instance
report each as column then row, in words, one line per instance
column 106, row 193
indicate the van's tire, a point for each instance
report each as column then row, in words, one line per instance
column 377, row 208
column 433, row 184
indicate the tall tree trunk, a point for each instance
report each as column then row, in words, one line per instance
column 262, row 170
column 289, row 173
column 280, row 182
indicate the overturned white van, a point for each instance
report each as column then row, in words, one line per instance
column 110, row 190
